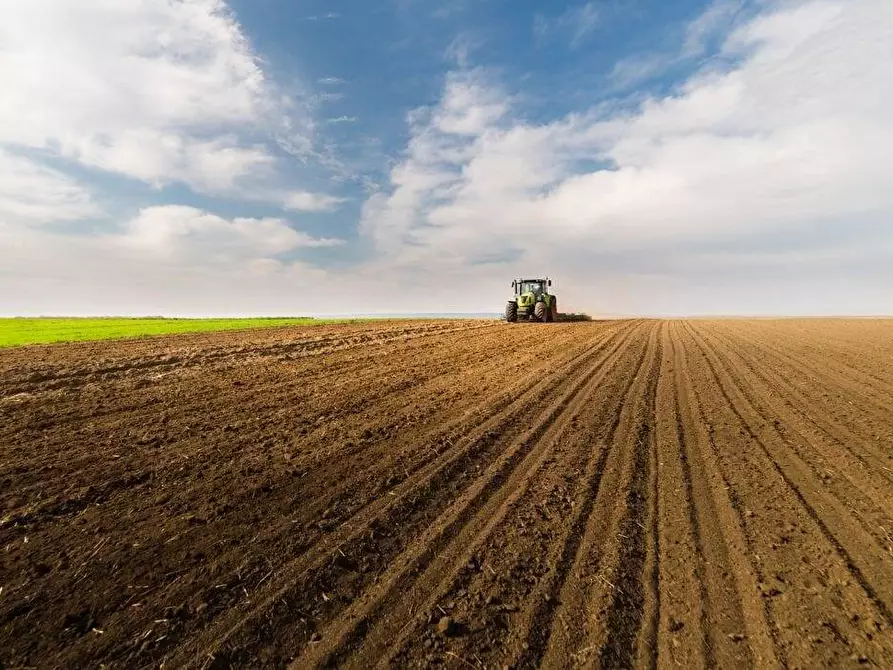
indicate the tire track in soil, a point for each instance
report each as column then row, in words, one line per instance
column 564, row 601
column 863, row 379
column 624, row 618
column 875, row 615
column 856, row 484
column 260, row 398
column 761, row 627
column 682, row 576
column 58, row 379
column 842, row 377
column 527, row 523
column 826, row 423
column 441, row 575
column 578, row 360
column 415, row 501
column 725, row 576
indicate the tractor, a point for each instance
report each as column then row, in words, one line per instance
column 532, row 301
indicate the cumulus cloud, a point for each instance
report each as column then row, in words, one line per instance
column 761, row 183
column 189, row 234
column 167, row 259
column 792, row 141
column 304, row 201
column 443, row 140
column 32, row 194
column 157, row 91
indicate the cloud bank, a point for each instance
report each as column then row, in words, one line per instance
column 760, row 184
column 781, row 157
column 160, row 92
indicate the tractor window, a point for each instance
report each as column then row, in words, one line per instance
column 534, row 287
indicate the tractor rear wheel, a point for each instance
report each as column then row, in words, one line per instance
column 511, row 312
column 540, row 312
column 553, row 311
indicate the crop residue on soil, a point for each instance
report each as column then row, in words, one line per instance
column 452, row 493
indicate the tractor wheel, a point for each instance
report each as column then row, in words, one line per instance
column 511, row 312
column 553, row 312
column 540, row 312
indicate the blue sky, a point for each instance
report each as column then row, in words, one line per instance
column 300, row 156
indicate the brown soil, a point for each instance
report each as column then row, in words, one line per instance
column 453, row 493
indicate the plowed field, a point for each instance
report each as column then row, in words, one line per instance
column 467, row 494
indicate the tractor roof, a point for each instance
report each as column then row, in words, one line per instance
column 541, row 279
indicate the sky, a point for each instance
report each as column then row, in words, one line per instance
column 279, row 157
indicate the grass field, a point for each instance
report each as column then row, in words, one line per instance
column 20, row 331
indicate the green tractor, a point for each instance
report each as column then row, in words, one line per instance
column 532, row 301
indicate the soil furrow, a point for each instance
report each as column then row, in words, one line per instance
column 240, row 583
column 534, row 625
column 842, row 443
column 733, row 606
column 847, row 366
column 812, row 495
column 518, row 567
column 465, row 540
column 625, row 616
column 415, row 502
column 858, row 486
column 860, row 592
column 830, row 376
column 367, row 389
column 452, row 494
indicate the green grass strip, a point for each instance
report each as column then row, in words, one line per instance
column 21, row 331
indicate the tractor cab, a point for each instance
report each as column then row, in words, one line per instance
column 532, row 286
column 531, row 301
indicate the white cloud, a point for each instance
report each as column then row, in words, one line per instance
column 640, row 67
column 714, row 21
column 759, row 186
column 166, row 260
column 32, row 194
column 703, row 35
column 791, row 143
column 158, row 91
column 442, row 141
column 158, row 158
column 576, row 22
column 303, row 201
column 176, row 232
